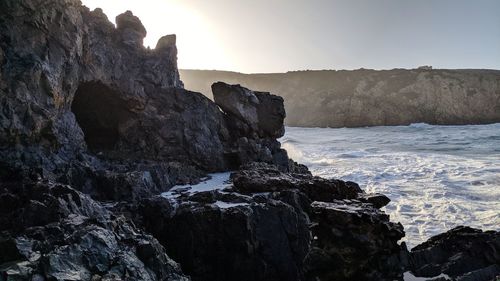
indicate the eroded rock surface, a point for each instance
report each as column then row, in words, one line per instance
column 462, row 253
column 53, row 232
column 265, row 226
column 354, row 241
column 81, row 85
column 94, row 126
column 261, row 112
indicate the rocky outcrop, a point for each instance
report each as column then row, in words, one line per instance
column 83, row 88
column 94, row 127
column 258, row 177
column 86, row 106
column 265, row 226
column 254, row 121
column 53, row 232
column 261, row 112
column 354, row 241
column 462, row 253
column 358, row 98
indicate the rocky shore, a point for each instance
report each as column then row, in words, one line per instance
column 102, row 148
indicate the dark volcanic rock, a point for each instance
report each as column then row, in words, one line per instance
column 376, row 199
column 354, row 241
column 261, row 112
column 261, row 177
column 86, row 107
column 53, row 232
column 128, row 181
column 83, row 87
column 265, row 233
column 462, row 253
column 265, row 240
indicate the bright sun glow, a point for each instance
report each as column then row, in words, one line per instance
column 196, row 40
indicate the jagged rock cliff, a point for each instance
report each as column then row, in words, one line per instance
column 372, row 98
column 71, row 83
column 94, row 127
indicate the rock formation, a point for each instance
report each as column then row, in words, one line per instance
column 462, row 253
column 83, row 85
column 261, row 112
column 94, row 127
column 53, row 232
column 366, row 97
column 271, row 225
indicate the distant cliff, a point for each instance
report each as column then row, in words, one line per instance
column 372, row 98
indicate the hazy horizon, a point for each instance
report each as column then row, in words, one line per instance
column 304, row 70
column 292, row 35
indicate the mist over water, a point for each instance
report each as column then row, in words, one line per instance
column 437, row 177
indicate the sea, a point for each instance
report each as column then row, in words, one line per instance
column 437, row 177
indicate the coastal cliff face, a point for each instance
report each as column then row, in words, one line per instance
column 95, row 132
column 372, row 98
column 71, row 82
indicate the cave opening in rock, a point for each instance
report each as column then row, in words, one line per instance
column 99, row 112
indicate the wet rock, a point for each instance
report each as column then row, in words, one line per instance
column 258, row 111
column 53, row 232
column 376, row 199
column 462, row 253
column 353, row 241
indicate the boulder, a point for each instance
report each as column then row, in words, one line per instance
column 354, row 241
column 462, row 253
column 376, row 199
column 259, row 112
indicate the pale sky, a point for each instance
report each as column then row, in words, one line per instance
column 282, row 35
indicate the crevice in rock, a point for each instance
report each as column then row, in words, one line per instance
column 99, row 112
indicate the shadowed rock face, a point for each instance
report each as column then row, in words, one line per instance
column 261, row 112
column 365, row 97
column 272, row 230
column 463, row 253
column 88, row 115
column 53, row 232
column 81, row 85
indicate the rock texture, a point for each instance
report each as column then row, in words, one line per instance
column 261, row 112
column 81, row 85
column 265, row 226
column 53, row 232
column 94, row 127
column 366, row 97
column 462, row 253
column 354, row 241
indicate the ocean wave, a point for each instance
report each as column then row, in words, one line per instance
column 420, row 125
column 437, row 178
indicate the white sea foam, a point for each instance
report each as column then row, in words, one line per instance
column 410, row 277
column 217, row 181
column 437, row 177
column 226, row 205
